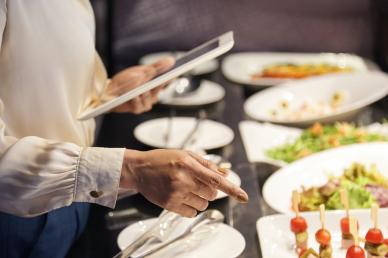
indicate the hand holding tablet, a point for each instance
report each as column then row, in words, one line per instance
column 190, row 60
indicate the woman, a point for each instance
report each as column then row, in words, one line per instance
column 49, row 70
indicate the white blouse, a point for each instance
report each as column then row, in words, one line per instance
column 48, row 70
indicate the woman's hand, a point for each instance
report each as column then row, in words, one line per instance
column 179, row 181
column 132, row 77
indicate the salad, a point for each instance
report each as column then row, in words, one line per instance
column 365, row 187
column 321, row 137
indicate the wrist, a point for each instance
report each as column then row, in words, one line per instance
column 129, row 177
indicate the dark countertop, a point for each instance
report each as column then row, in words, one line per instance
column 116, row 131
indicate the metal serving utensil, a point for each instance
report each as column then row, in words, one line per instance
column 190, row 140
column 204, row 218
column 159, row 232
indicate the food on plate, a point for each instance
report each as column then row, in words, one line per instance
column 298, row 225
column 321, row 137
column 354, row 251
column 308, row 108
column 374, row 239
column 323, row 237
column 364, row 187
column 347, row 237
column 308, row 253
column 298, row 71
column 386, row 243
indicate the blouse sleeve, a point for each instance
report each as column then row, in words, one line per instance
column 38, row 175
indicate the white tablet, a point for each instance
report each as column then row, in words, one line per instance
column 190, row 60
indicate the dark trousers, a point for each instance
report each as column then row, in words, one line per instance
column 46, row 236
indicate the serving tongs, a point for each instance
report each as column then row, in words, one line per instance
column 205, row 218
column 157, row 233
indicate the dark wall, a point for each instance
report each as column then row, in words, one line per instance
column 138, row 27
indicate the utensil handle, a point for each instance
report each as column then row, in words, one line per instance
column 160, row 247
column 201, row 116
column 133, row 247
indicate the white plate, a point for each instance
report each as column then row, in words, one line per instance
column 233, row 178
column 359, row 90
column 205, row 244
column 208, row 92
column 210, row 134
column 276, row 239
column 315, row 169
column 240, row 67
column 205, row 68
column 260, row 137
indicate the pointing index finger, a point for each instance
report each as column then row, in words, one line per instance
column 217, row 181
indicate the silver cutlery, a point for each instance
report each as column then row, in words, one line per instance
column 204, row 218
column 157, row 233
column 190, row 140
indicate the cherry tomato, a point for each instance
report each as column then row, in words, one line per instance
column 323, row 237
column 355, row 252
column 298, row 225
column 345, row 225
column 374, row 236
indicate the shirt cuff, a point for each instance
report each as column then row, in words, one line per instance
column 98, row 176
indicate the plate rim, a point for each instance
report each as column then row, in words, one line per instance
column 214, row 84
column 226, row 127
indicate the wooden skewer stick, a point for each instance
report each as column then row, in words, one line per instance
column 322, row 215
column 295, row 202
column 345, row 201
column 374, row 216
column 353, row 230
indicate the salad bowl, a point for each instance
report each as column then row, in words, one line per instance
column 316, row 171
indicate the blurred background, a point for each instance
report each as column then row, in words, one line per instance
column 127, row 30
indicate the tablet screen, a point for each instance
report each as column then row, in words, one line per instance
column 108, row 100
column 193, row 54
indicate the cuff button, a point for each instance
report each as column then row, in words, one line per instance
column 95, row 194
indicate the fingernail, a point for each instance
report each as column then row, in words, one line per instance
column 223, row 171
column 242, row 197
column 224, row 168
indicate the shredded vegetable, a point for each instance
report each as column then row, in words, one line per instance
column 319, row 137
column 361, row 184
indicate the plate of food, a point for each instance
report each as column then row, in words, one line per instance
column 271, row 68
column 321, row 99
column 280, row 145
column 304, row 236
column 360, row 168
